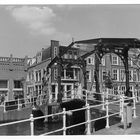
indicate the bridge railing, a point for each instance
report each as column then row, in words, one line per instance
column 88, row 121
column 23, row 102
column 120, row 97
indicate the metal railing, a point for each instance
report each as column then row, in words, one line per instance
column 23, row 102
column 87, row 109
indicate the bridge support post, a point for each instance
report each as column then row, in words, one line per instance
column 122, row 108
column 107, row 114
column 103, row 101
column 32, row 124
column 18, row 103
column 88, row 120
column 64, row 121
column 134, row 105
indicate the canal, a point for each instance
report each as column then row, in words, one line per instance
column 24, row 129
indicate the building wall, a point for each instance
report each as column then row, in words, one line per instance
column 11, row 69
column 32, row 82
column 109, row 64
column 51, row 53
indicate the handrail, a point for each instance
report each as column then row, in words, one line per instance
column 19, row 102
column 88, row 121
column 15, row 122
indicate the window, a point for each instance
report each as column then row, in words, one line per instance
column 114, row 60
column 104, row 75
column 69, row 87
column 17, row 84
column 115, row 74
column 55, row 51
column 88, row 75
column 90, row 60
column 53, row 92
column 134, row 75
column 76, row 73
column 93, row 77
column 36, row 76
column 70, row 54
column 39, row 89
column 69, row 73
column 134, row 62
column 130, row 75
column 55, row 73
column 115, row 90
column 75, row 55
column 103, row 61
column 129, row 62
column 36, row 90
column 122, row 75
column 3, row 84
column 30, row 90
column 39, row 74
column 122, row 89
column 29, row 76
column 121, row 62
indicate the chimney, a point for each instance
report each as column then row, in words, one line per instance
column 54, row 48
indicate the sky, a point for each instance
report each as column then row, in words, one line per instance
column 26, row 29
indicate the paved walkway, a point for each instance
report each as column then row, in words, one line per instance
column 118, row 129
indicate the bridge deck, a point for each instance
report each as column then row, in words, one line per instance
column 117, row 129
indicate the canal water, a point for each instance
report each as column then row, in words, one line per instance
column 24, row 129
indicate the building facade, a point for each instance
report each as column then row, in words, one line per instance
column 113, row 63
column 37, row 73
column 72, row 77
column 12, row 77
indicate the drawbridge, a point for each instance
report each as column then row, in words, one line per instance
column 99, row 47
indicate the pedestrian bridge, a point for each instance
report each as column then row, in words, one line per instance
column 111, row 105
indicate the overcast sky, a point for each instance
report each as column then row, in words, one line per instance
column 24, row 29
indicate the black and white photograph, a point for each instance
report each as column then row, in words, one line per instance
column 69, row 69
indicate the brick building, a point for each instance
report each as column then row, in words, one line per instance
column 37, row 70
column 12, row 77
column 113, row 63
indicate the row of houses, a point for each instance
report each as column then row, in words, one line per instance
column 22, row 77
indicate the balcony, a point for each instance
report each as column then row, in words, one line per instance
column 71, row 74
column 70, row 78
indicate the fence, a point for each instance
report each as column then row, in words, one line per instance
column 106, row 103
